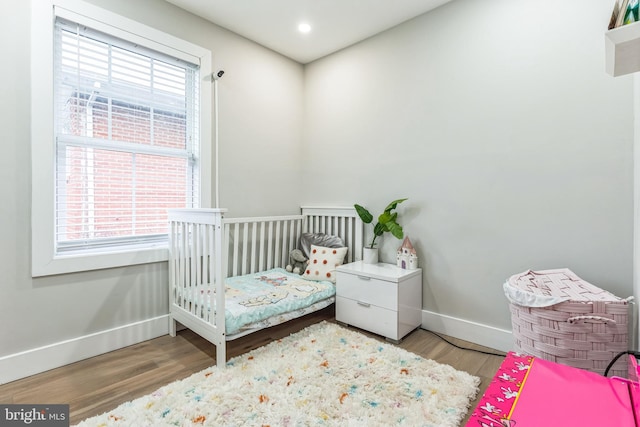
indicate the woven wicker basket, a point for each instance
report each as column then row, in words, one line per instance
column 559, row 317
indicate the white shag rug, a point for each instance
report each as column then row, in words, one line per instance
column 324, row 375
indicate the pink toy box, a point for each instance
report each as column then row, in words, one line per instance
column 531, row 392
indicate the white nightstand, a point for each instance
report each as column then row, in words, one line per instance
column 380, row 298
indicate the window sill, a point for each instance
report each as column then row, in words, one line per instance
column 72, row 263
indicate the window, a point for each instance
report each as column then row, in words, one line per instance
column 129, row 140
column 126, row 122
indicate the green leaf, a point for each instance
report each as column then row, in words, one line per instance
column 394, row 205
column 385, row 218
column 364, row 214
column 395, row 229
column 379, row 229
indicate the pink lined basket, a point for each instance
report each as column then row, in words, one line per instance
column 557, row 316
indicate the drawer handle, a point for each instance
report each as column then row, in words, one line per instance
column 364, row 304
column 364, row 278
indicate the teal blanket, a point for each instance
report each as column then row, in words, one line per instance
column 255, row 297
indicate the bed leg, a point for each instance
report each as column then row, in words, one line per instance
column 221, row 355
column 172, row 326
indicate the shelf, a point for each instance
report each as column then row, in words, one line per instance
column 622, row 50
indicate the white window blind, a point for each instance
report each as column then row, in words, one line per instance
column 126, row 125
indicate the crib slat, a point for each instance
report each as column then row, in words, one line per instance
column 285, row 245
column 196, row 260
column 289, row 243
column 269, row 246
column 253, row 253
column 262, row 239
column 187, row 264
column 192, row 259
column 200, row 262
column 172, row 272
column 203, row 261
column 259, row 246
column 348, row 240
column 277, row 250
column 208, row 277
column 236, row 242
column 195, row 268
column 183, row 265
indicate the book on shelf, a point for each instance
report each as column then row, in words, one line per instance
column 614, row 15
column 624, row 12
column 631, row 14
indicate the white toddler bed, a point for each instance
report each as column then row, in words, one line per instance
column 215, row 263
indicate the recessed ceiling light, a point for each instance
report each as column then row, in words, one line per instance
column 304, row 27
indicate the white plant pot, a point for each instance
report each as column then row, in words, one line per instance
column 370, row 255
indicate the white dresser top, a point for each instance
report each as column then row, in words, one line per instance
column 382, row 271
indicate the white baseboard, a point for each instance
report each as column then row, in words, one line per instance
column 30, row 362
column 488, row 336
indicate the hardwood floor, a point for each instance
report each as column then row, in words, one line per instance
column 101, row 383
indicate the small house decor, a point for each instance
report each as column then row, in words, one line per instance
column 407, row 257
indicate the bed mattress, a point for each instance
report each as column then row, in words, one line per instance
column 263, row 299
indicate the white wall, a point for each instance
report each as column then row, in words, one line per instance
column 50, row 320
column 496, row 119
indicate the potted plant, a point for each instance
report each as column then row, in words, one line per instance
column 387, row 222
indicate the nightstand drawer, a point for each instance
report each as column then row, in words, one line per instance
column 367, row 316
column 367, row 290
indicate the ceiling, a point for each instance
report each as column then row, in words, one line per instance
column 335, row 24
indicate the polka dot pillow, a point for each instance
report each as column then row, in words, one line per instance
column 323, row 262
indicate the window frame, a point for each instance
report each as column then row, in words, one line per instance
column 45, row 261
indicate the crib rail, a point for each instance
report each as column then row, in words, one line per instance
column 258, row 244
column 262, row 243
